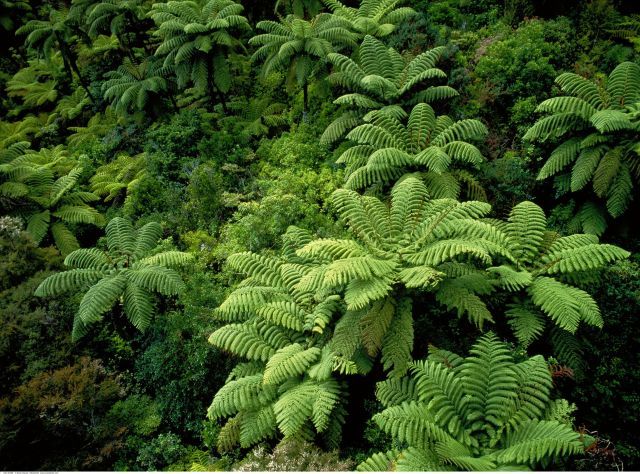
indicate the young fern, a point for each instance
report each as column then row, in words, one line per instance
column 124, row 274
column 486, row 412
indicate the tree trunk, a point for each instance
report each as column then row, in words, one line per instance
column 173, row 101
column 71, row 62
column 305, row 101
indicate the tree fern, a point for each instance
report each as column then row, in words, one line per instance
column 377, row 18
column 600, row 133
column 196, row 38
column 541, row 272
column 386, row 148
column 380, row 78
column 487, row 413
column 133, row 86
column 300, row 47
column 120, row 175
column 123, row 274
column 44, row 187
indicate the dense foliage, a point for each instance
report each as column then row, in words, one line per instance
column 290, row 216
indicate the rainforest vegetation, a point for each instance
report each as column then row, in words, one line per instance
column 319, row 235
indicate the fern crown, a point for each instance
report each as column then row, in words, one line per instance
column 125, row 273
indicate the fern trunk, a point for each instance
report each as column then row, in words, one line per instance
column 71, row 62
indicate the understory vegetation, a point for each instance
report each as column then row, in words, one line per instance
column 367, row 235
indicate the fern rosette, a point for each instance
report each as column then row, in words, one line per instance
column 600, row 146
column 196, row 39
column 543, row 268
column 287, row 385
column 377, row 18
column 380, row 78
column 42, row 187
column 485, row 412
column 386, row 148
column 125, row 273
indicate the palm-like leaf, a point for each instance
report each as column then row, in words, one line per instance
column 600, row 132
column 124, row 273
column 487, row 413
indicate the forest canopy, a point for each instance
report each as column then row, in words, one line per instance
column 316, row 235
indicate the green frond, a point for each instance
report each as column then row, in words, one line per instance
column 171, row 258
column 100, row 298
column 374, row 324
column 289, row 362
column 380, row 462
column 536, row 441
column 157, row 279
column 138, row 306
column 527, row 323
column 397, row 344
column 438, row 386
column 64, row 238
column 490, row 379
column 246, row 393
column 70, row 280
column 553, row 126
column 93, row 258
column 566, row 305
column 583, row 258
column 582, row 88
column 526, row 226
column 623, row 86
column 395, row 391
column 411, row 423
column 257, row 425
column 561, row 157
column 121, row 236
column 247, row 341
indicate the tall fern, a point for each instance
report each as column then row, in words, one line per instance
column 598, row 129
column 126, row 274
column 379, row 77
column 485, row 412
column 299, row 47
column 542, row 271
column 386, row 147
column 288, row 384
column 196, row 39
column 377, row 18
column 44, row 190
